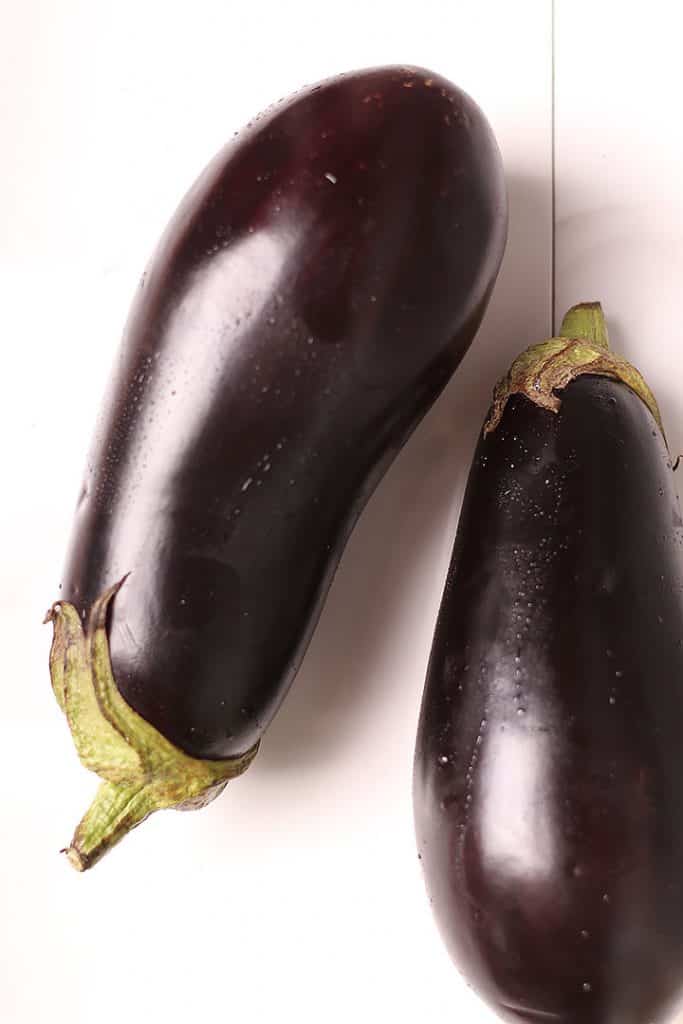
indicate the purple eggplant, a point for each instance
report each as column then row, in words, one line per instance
column 309, row 300
column 549, row 764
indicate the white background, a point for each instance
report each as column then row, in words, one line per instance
column 297, row 895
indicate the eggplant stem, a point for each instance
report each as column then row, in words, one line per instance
column 586, row 320
column 544, row 370
column 116, row 810
column 142, row 771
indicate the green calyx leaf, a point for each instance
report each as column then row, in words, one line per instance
column 545, row 369
column 142, row 771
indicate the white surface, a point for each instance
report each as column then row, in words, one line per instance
column 296, row 896
column 619, row 198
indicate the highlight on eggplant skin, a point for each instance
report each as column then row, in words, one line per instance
column 548, row 786
column 311, row 297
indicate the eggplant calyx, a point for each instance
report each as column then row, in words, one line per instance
column 543, row 370
column 142, row 771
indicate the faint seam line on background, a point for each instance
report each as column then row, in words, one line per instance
column 553, row 261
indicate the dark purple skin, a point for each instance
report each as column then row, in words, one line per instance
column 549, row 764
column 310, row 299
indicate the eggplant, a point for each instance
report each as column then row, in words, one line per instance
column 548, row 786
column 311, row 297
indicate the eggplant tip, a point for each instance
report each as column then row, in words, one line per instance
column 74, row 858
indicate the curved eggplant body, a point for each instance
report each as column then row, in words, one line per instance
column 549, row 774
column 311, row 297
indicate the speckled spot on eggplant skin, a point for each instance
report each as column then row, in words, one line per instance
column 308, row 302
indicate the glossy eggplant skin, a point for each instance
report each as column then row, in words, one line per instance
column 548, row 775
column 311, row 297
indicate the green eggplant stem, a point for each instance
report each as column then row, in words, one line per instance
column 586, row 320
column 142, row 771
column 544, row 370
